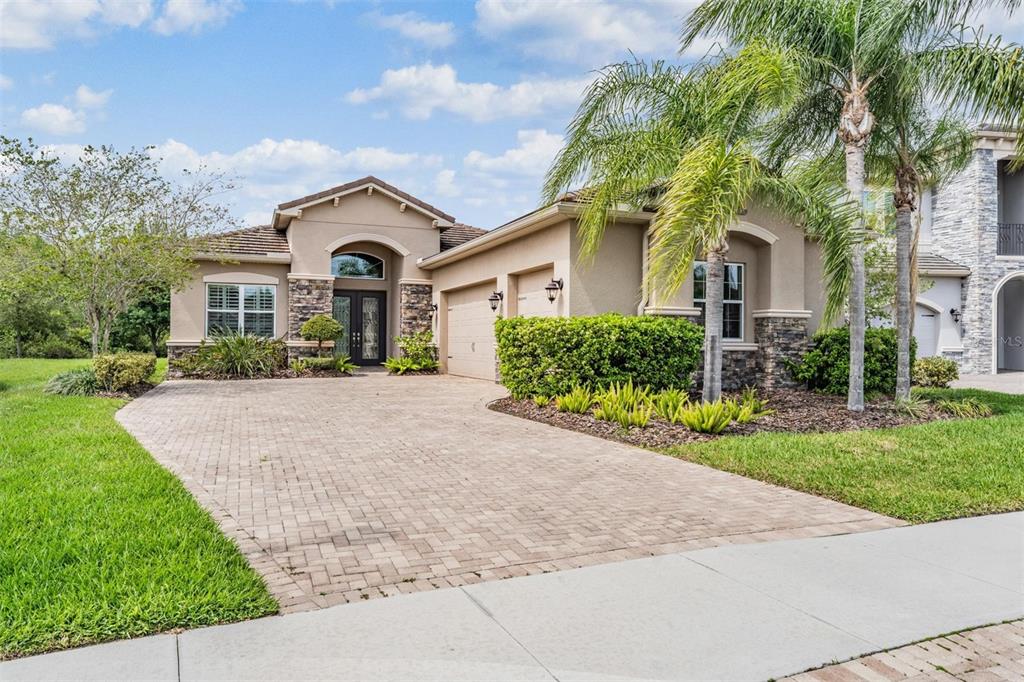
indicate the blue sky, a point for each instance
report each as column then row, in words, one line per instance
column 462, row 104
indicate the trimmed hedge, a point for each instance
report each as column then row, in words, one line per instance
column 121, row 371
column 826, row 367
column 552, row 355
column 935, row 372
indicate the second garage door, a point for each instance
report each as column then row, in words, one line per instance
column 471, row 332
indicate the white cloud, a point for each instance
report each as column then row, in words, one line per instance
column 29, row 24
column 6, row 83
column 533, row 155
column 39, row 25
column 194, row 15
column 419, row 90
column 54, row 119
column 272, row 171
column 445, row 185
column 413, row 26
column 594, row 32
column 87, row 98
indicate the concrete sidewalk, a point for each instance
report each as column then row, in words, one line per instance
column 735, row 612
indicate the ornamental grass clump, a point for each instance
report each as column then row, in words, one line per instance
column 706, row 417
column 668, row 404
column 73, row 382
column 239, row 355
column 968, row 408
column 577, row 401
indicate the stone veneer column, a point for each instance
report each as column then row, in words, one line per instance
column 780, row 338
column 307, row 296
column 415, row 312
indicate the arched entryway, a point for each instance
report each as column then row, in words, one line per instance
column 1008, row 324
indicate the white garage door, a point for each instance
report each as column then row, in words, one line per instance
column 471, row 332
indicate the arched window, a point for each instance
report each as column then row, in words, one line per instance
column 357, row 265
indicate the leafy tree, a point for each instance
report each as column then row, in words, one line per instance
column 111, row 226
column 320, row 328
column 29, row 308
column 685, row 142
column 149, row 319
column 861, row 63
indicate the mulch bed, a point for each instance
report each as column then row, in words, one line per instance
column 127, row 394
column 796, row 411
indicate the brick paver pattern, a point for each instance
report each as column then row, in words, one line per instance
column 990, row 654
column 344, row 489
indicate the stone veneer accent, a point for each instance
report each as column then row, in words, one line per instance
column 739, row 369
column 306, row 298
column 175, row 353
column 779, row 341
column 965, row 230
column 416, row 313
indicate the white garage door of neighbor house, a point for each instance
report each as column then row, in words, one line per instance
column 926, row 331
column 471, row 332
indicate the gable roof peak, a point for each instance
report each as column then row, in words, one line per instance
column 355, row 185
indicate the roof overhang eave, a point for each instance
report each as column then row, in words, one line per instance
column 283, row 258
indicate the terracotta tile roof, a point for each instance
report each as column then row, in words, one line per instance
column 365, row 181
column 929, row 262
column 251, row 241
column 459, row 233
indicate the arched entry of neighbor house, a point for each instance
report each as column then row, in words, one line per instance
column 1008, row 323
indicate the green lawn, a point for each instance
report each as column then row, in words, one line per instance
column 97, row 541
column 920, row 473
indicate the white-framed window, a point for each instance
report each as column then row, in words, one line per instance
column 732, row 298
column 357, row 266
column 240, row 309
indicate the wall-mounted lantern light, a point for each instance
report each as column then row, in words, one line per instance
column 553, row 287
column 955, row 314
column 495, row 299
column 433, row 309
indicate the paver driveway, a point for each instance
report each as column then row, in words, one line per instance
column 344, row 489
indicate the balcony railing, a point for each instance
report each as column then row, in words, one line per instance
column 1011, row 239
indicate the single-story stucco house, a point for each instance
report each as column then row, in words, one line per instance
column 385, row 263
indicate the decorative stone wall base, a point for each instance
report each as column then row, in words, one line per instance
column 306, row 298
column 780, row 340
column 175, row 353
column 303, row 351
column 415, row 311
column 739, row 369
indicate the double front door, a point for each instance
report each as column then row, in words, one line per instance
column 363, row 316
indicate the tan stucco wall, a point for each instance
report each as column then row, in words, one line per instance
column 611, row 280
column 188, row 306
column 814, row 285
column 357, row 213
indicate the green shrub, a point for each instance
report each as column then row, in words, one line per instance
column 551, row 355
column 826, row 367
column 705, row 417
column 320, row 328
column 668, row 403
column 401, row 365
column 968, row 408
column 243, row 355
column 121, row 371
column 578, row 400
column 73, row 382
column 935, row 372
column 55, row 347
column 419, row 354
column 612, row 411
column 541, row 400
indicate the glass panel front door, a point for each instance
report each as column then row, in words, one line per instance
column 363, row 316
column 371, row 328
column 342, row 312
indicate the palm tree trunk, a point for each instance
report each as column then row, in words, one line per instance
column 904, row 229
column 714, row 292
column 855, row 127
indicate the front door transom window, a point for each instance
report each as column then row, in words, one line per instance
column 357, row 266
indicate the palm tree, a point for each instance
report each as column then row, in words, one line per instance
column 862, row 60
column 685, row 141
column 911, row 154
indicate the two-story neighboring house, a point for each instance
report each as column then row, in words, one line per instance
column 972, row 245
